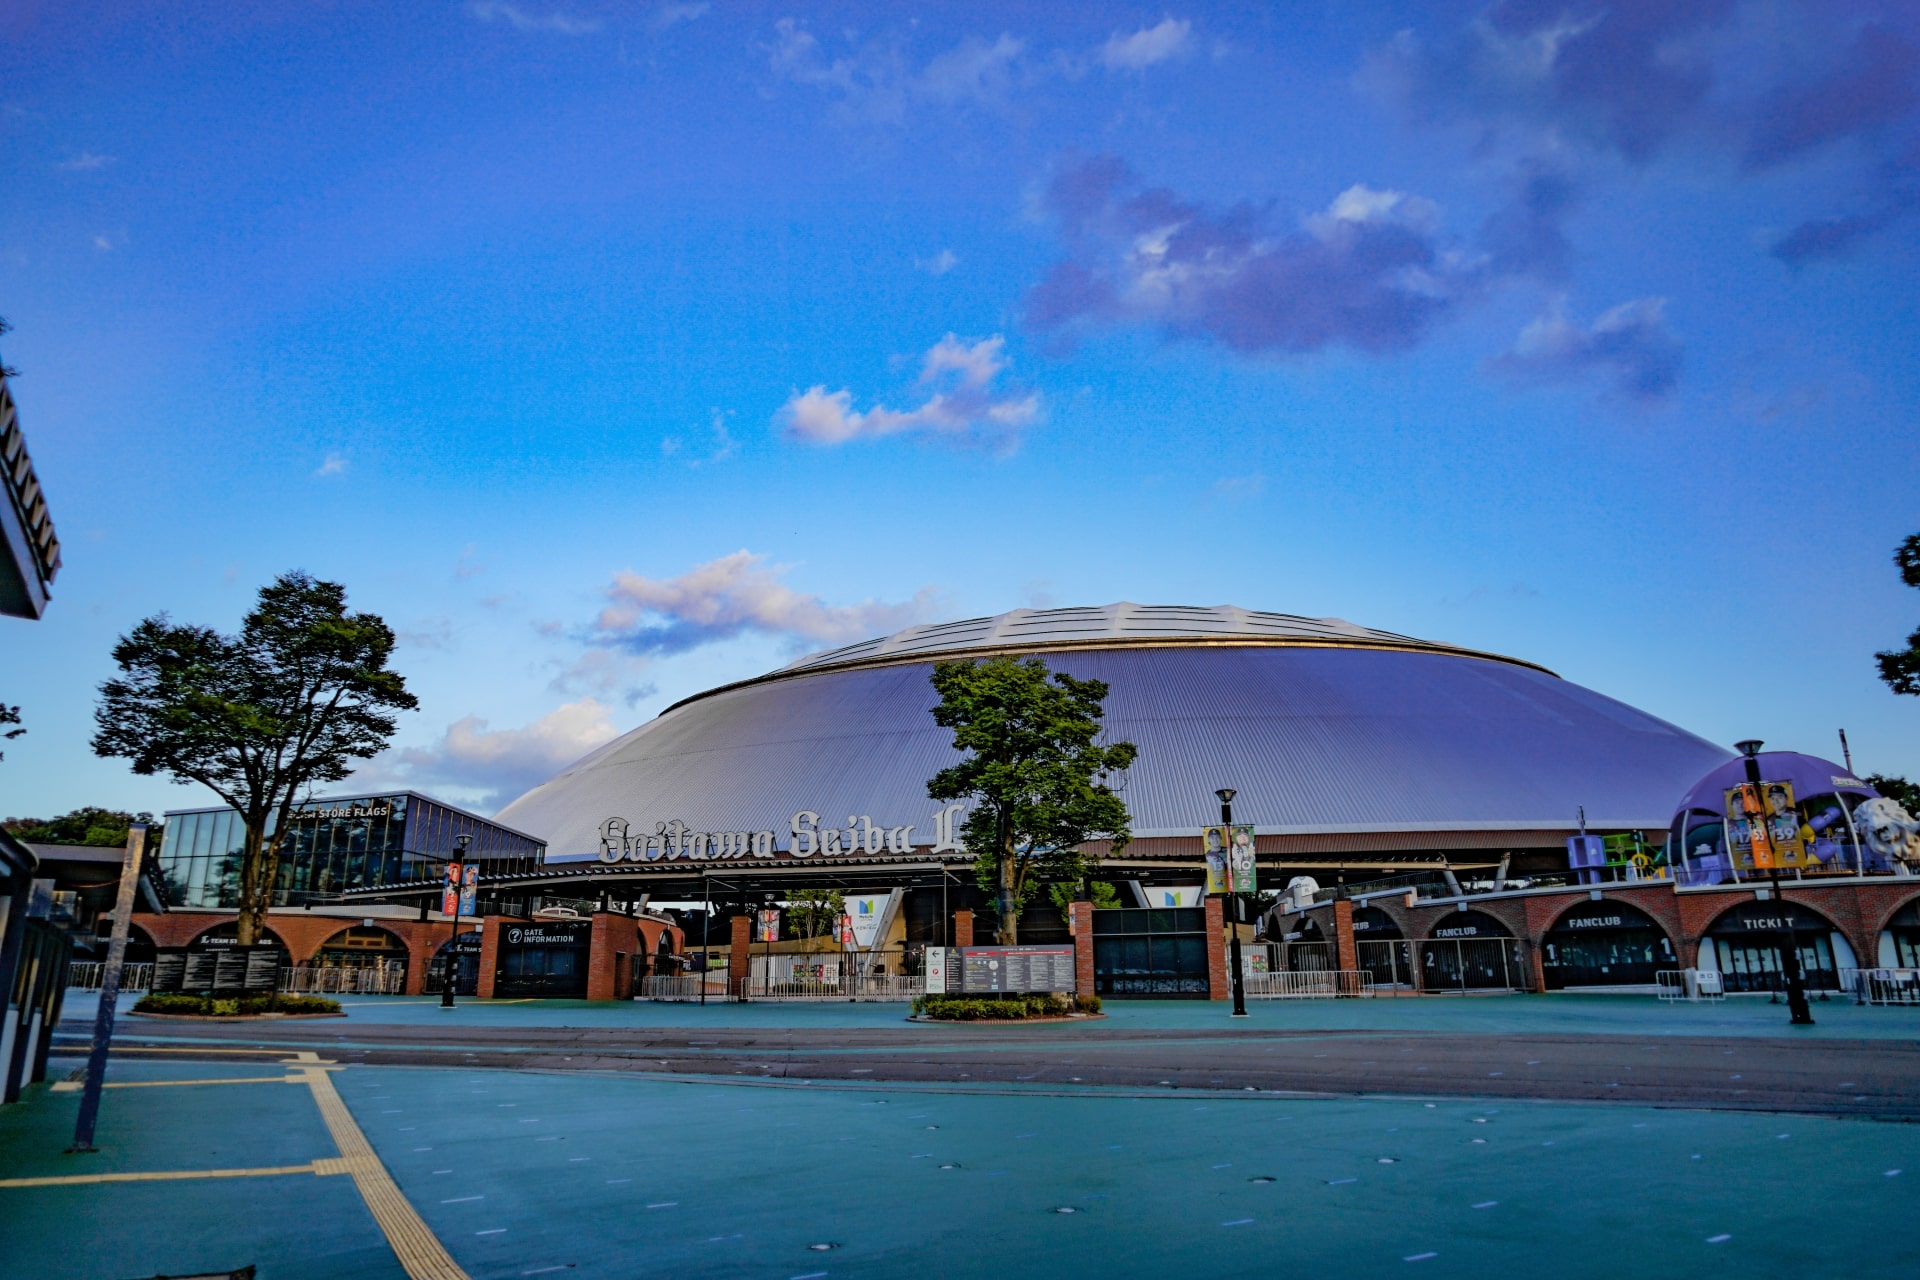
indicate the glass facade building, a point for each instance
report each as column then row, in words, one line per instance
column 335, row 844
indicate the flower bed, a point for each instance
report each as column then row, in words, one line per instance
column 1003, row 1008
column 189, row 1006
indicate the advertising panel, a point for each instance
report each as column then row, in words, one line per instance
column 864, row 913
column 1230, row 863
column 767, row 925
column 1176, row 895
column 1763, row 826
column 450, row 892
column 470, row 889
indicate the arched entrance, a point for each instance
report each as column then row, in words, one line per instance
column 1746, row 943
column 1307, row 950
column 1605, row 944
column 1381, row 948
column 1469, row 951
column 361, row 947
column 1900, row 940
column 465, row 952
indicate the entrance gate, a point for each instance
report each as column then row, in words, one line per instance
column 1471, row 964
column 1150, row 951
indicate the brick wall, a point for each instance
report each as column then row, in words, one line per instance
column 739, row 953
column 1344, row 951
column 1082, row 917
column 1219, row 983
column 963, row 928
column 614, row 936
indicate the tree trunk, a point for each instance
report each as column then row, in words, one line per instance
column 1008, row 932
column 252, row 921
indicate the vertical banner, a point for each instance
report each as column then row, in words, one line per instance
column 450, row 896
column 846, row 930
column 936, row 971
column 1230, row 862
column 470, row 890
column 1747, row 836
column 768, row 922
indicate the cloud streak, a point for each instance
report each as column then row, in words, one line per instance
column 496, row 765
column 521, row 19
column 1629, row 346
column 963, row 401
column 1372, row 271
column 734, row 595
column 1141, row 49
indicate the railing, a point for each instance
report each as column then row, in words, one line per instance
column 1882, row 986
column 1322, row 984
column 849, row 986
column 685, row 986
column 388, row 979
column 1470, row 964
column 1689, row 984
column 86, row 975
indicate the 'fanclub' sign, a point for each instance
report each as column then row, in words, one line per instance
column 675, row 840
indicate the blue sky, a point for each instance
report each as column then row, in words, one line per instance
column 612, row 351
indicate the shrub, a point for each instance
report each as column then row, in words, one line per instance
column 180, row 1002
column 1087, row 1004
column 990, row 1008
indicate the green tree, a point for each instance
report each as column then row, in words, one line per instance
column 1900, row 668
column 1899, row 790
column 1036, row 772
column 258, row 718
column 9, row 715
column 815, row 911
column 6, row 370
column 102, row 828
column 1100, row 893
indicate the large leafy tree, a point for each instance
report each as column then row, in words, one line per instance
column 299, row 695
column 1900, row 668
column 102, row 828
column 1036, row 771
column 815, row 912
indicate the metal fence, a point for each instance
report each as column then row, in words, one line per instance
column 1311, row 957
column 1388, row 963
column 85, row 975
column 1882, row 986
column 1470, row 964
column 1689, row 984
column 388, row 978
column 1311, row 984
column 685, row 987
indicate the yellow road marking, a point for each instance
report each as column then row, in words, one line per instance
column 188, row 1048
column 170, row 1175
column 75, row 1086
column 412, row 1241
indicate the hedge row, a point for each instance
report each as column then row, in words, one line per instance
column 1002, row 1008
column 245, row 1005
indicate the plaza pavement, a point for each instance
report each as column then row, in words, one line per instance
column 592, row 1164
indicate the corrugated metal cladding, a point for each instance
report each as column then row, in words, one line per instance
column 1326, row 738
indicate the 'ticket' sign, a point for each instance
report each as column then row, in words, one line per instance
column 806, row 838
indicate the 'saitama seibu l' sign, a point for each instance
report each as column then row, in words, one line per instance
column 806, row 838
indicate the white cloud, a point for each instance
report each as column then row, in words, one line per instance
column 103, row 244
column 879, row 80
column 668, row 15
column 939, row 264
column 1629, row 345
column 732, row 595
column 961, row 404
column 1170, row 39
column 335, row 464
column 498, row 764
column 605, row 673
column 522, row 20
column 87, row 160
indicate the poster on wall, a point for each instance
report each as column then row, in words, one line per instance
column 767, row 925
column 1763, row 826
column 1230, row 862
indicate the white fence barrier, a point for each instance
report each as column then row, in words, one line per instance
column 86, row 975
column 1312, row 984
column 1689, row 984
column 388, row 979
column 685, row 987
column 1882, row 986
column 848, row 986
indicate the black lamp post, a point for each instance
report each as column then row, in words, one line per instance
column 459, row 882
column 1226, row 795
column 1800, row 1014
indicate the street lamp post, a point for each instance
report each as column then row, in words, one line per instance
column 1226, row 795
column 1799, row 1013
column 459, row 882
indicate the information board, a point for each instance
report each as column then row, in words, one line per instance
column 984, row 970
column 169, row 969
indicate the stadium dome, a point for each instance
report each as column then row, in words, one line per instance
column 1335, row 736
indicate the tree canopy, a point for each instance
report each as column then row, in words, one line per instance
column 815, row 912
column 101, row 828
column 1039, row 778
column 1900, row 668
column 300, row 694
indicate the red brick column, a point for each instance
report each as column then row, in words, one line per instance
column 489, row 956
column 1343, row 946
column 963, row 928
column 1219, row 981
column 1082, row 924
column 613, row 936
column 739, row 958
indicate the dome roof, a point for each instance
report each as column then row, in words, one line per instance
column 1322, row 726
column 1106, row 626
column 1810, row 776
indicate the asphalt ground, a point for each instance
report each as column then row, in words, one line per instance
column 1740, row 1056
column 583, row 1173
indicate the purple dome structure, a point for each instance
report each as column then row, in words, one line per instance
column 1825, row 793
